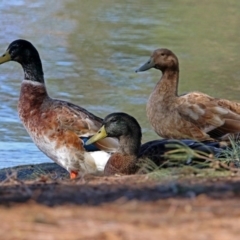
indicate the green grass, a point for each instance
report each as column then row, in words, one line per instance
column 185, row 162
column 231, row 155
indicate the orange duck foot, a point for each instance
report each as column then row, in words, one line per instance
column 73, row 174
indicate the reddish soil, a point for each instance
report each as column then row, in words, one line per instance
column 121, row 207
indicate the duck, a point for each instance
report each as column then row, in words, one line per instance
column 58, row 128
column 130, row 152
column 193, row 115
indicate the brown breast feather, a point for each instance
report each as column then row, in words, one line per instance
column 44, row 115
column 121, row 164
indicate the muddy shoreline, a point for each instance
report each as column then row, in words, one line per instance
column 41, row 202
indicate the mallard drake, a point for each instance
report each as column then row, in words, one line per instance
column 194, row 115
column 128, row 131
column 55, row 126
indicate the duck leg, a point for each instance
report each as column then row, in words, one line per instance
column 73, row 174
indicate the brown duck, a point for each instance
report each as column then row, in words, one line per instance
column 126, row 159
column 194, row 115
column 57, row 127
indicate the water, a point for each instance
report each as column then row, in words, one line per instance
column 90, row 50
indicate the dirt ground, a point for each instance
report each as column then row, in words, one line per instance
column 120, row 207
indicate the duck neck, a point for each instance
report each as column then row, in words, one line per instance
column 130, row 144
column 33, row 70
column 168, row 84
column 33, row 97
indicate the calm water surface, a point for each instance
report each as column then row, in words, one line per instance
column 90, row 50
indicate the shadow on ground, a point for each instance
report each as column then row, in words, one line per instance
column 22, row 184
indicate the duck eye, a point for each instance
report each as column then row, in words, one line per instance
column 13, row 49
column 113, row 119
column 162, row 54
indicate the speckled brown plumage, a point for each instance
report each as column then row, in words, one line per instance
column 194, row 115
column 55, row 126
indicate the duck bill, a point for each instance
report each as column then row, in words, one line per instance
column 98, row 136
column 5, row 57
column 149, row 64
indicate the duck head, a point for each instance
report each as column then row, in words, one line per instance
column 161, row 59
column 20, row 51
column 118, row 125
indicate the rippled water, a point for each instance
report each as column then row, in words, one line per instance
column 90, row 50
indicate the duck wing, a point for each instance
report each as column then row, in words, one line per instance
column 82, row 123
column 208, row 114
column 156, row 150
column 233, row 106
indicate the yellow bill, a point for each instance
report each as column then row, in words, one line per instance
column 5, row 57
column 98, row 136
